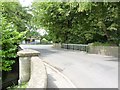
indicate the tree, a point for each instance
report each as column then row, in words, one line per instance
column 106, row 16
column 14, row 21
column 79, row 22
column 16, row 14
column 32, row 34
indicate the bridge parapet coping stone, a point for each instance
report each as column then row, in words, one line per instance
column 28, row 53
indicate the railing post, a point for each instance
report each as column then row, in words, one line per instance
column 67, row 45
column 25, row 64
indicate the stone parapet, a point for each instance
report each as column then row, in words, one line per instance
column 31, row 69
column 38, row 77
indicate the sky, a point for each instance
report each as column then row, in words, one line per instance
column 26, row 2
column 42, row 32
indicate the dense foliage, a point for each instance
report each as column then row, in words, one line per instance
column 79, row 22
column 32, row 34
column 14, row 20
column 65, row 22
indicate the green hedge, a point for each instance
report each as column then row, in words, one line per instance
column 9, row 43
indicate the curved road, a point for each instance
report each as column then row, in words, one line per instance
column 84, row 70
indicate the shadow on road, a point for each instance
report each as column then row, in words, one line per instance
column 46, row 52
column 112, row 60
column 51, row 81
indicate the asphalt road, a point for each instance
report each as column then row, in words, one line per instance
column 84, row 70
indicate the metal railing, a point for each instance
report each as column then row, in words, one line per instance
column 80, row 47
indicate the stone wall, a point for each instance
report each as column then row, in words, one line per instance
column 56, row 45
column 32, row 69
column 104, row 50
column 38, row 77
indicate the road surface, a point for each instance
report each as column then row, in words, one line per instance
column 84, row 70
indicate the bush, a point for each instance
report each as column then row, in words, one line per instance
column 44, row 41
column 9, row 43
column 103, row 44
column 23, row 86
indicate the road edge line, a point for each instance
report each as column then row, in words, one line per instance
column 65, row 77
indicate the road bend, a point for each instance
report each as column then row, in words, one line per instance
column 84, row 70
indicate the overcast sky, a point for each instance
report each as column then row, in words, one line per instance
column 26, row 2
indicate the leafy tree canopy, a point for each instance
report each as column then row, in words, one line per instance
column 14, row 23
column 79, row 22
